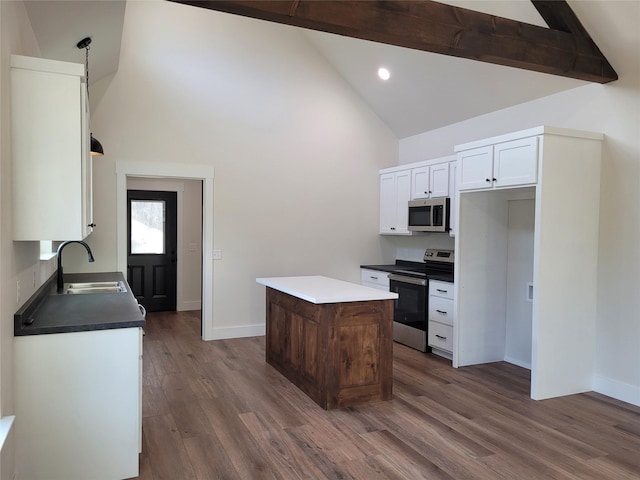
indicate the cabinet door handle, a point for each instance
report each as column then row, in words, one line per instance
column 440, row 290
column 487, row 180
column 441, row 311
column 392, row 228
column 92, row 225
column 373, row 278
column 441, row 337
column 494, row 179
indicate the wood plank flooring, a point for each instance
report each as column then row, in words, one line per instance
column 216, row 410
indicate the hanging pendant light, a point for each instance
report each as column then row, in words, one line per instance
column 96, row 146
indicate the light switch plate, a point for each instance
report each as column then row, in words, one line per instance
column 217, row 254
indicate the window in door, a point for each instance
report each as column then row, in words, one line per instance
column 147, row 226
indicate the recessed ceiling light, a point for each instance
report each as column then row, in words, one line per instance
column 383, row 73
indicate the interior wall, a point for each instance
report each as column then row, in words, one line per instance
column 296, row 152
column 520, row 236
column 612, row 109
column 480, row 278
column 189, row 272
column 18, row 261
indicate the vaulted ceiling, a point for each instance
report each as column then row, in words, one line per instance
column 432, row 48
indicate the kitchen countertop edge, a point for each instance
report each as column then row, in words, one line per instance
column 318, row 289
column 393, row 268
column 102, row 317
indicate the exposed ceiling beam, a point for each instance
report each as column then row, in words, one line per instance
column 564, row 49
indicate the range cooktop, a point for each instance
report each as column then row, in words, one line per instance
column 438, row 264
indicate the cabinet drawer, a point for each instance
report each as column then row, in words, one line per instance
column 441, row 289
column 374, row 278
column 441, row 310
column 441, row 336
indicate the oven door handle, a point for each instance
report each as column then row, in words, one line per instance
column 411, row 280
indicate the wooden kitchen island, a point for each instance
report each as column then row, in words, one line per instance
column 332, row 339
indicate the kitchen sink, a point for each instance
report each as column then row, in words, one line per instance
column 77, row 288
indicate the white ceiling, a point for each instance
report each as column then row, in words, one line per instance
column 426, row 91
column 60, row 25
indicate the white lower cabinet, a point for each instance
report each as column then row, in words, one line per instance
column 374, row 279
column 441, row 318
column 440, row 337
column 78, row 405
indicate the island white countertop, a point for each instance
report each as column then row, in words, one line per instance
column 318, row 289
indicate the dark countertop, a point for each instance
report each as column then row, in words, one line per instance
column 406, row 267
column 59, row 313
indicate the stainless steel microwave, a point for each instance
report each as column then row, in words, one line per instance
column 429, row 215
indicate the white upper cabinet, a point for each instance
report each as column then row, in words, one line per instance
column 420, row 182
column 439, row 182
column 475, row 168
column 395, row 192
column 430, row 181
column 516, row 162
column 50, row 146
column 507, row 164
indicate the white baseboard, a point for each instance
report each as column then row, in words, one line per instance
column 517, row 362
column 616, row 389
column 222, row 333
column 187, row 306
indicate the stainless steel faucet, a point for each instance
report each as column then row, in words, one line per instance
column 60, row 279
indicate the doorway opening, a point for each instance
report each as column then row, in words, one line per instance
column 130, row 176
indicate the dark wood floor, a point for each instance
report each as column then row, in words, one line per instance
column 215, row 410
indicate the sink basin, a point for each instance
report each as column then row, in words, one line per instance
column 94, row 287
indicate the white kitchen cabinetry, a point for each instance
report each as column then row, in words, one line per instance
column 453, row 202
column 441, row 318
column 77, row 404
column 564, row 258
column 398, row 185
column 374, row 279
column 52, row 196
column 395, row 192
column 430, row 181
column 502, row 165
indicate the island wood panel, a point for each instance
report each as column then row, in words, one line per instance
column 339, row 354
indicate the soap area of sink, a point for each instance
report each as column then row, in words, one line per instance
column 84, row 288
column 86, row 301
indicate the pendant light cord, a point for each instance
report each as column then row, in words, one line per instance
column 96, row 147
column 86, row 66
column 86, row 44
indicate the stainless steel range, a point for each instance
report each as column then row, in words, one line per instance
column 410, row 280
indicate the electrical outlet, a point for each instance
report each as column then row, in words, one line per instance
column 217, row 255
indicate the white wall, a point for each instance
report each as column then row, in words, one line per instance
column 520, row 236
column 613, row 109
column 18, row 261
column 296, row 153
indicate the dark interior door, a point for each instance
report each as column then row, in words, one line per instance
column 152, row 245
